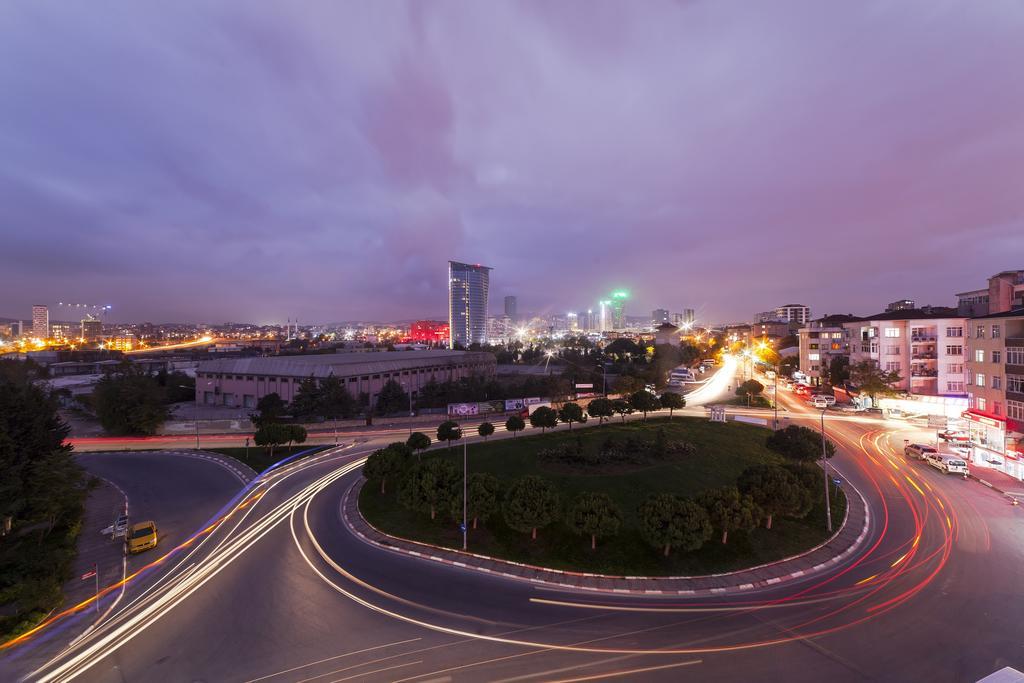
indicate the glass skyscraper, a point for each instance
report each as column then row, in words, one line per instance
column 467, row 303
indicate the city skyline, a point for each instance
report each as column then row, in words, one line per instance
column 258, row 168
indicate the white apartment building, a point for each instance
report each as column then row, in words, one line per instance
column 821, row 341
column 925, row 346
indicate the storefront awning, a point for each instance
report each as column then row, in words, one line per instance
column 985, row 418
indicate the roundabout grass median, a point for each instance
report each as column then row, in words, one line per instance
column 600, row 486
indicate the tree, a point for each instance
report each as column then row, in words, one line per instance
column 644, row 402
column 600, row 408
column 667, row 522
column 788, row 365
column 129, row 402
column 485, row 430
column 595, row 515
column 418, row 441
column 306, row 402
column 382, row 464
column 295, row 433
column 571, row 412
column 622, row 407
column 530, row 503
column 775, row 490
column 514, row 424
column 269, row 409
column 430, row 485
column 750, row 388
column 799, row 443
column 729, row 510
column 838, row 370
column 449, row 431
column 672, row 401
column 392, row 399
column 334, row 399
column 627, row 384
column 872, row 380
column 272, row 434
column 483, row 491
column 544, row 417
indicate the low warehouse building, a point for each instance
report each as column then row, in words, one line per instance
column 241, row 382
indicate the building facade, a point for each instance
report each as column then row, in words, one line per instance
column 619, row 310
column 1005, row 292
column 821, row 341
column 429, row 331
column 684, row 319
column 659, row 316
column 241, row 382
column 797, row 314
column 40, row 322
column 92, row 330
column 468, row 287
column 995, row 387
column 925, row 346
column 511, row 306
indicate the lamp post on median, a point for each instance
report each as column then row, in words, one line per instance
column 465, row 476
column 824, row 465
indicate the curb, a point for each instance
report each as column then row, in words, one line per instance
column 1013, row 499
column 708, row 584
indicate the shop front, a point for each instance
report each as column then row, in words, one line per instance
column 991, row 444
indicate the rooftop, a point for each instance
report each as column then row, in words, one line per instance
column 342, row 364
column 923, row 313
column 1014, row 313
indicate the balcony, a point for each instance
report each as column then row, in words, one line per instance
column 923, row 356
column 924, row 337
column 918, row 371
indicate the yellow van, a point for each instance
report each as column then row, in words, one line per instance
column 142, row 536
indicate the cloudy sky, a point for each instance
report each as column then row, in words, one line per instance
column 254, row 161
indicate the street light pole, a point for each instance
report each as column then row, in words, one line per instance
column 824, row 465
column 775, row 396
column 465, row 475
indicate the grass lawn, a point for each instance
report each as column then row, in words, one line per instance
column 724, row 450
column 258, row 457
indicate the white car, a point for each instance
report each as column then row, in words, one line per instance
column 919, row 451
column 949, row 464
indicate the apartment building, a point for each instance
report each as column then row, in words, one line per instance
column 1005, row 292
column 821, row 341
column 924, row 345
column 996, row 390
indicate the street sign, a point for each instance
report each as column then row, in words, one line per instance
column 120, row 527
column 462, row 528
column 938, row 421
column 584, row 386
column 717, row 413
column 89, row 574
column 837, row 482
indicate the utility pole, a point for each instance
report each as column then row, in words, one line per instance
column 465, row 475
column 824, row 465
column 775, row 397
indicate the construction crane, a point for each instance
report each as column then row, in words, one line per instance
column 95, row 310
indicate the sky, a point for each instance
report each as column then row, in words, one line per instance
column 215, row 161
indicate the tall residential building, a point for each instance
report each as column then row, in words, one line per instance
column 659, row 316
column 468, row 285
column 821, row 341
column 619, row 310
column 794, row 313
column 1004, row 293
column 995, row 389
column 924, row 345
column 510, row 308
column 604, row 316
column 40, row 321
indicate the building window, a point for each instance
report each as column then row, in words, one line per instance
column 979, row 332
column 836, row 347
column 997, row 408
column 997, row 357
column 1015, row 383
column 982, row 405
column 891, row 366
column 953, row 332
column 814, row 356
column 813, row 346
column 1015, row 355
column 997, row 383
column 995, row 335
column 891, row 351
column 979, row 357
column 954, row 369
column 891, row 332
column 979, row 380
column 955, row 387
column 952, row 350
column 1015, row 410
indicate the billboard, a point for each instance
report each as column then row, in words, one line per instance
column 472, row 409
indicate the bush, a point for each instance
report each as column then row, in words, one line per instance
column 799, row 443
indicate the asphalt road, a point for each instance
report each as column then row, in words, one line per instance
column 282, row 592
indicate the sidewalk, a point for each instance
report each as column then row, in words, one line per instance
column 104, row 504
column 842, row 545
column 998, row 482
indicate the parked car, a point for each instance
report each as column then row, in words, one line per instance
column 949, row 464
column 918, row 451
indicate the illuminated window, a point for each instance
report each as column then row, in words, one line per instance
column 891, row 332
column 979, row 357
column 982, row 405
column 814, row 356
column 979, row 380
column 995, row 335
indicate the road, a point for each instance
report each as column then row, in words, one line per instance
column 280, row 591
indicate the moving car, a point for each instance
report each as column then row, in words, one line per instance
column 950, row 464
column 954, row 436
column 827, row 399
column 142, row 536
column 918, row 451
column 820, row 402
